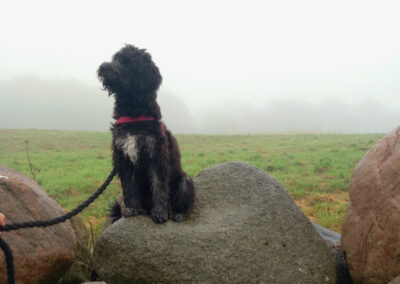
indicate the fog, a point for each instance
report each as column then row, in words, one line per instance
column 228, row 67
column 30, row 102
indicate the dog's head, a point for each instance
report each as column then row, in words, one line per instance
column 131, row 74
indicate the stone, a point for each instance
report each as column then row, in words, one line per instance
column 332, row 240
column 244, row 228
column 41, row 255
column 370, row 233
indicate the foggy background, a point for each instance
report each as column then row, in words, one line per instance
column 228, row 66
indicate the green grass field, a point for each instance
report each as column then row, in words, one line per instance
column 71, row 165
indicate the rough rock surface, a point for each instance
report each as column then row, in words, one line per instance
column 332, row 240
column 370, row 233
column 244, row 228
column 41, row 255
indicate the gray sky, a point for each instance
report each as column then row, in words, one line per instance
column 229, row 66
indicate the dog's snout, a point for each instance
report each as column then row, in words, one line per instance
column 105, row 70
column 108, row 76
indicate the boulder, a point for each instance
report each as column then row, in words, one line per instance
column 244, row 228
column 41, row 255
column 370, row 233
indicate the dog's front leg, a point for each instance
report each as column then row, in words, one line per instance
column 160, row 196
column 130, row 191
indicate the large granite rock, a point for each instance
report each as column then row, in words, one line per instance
column 370, row 234
column 244, row 228
column 41, row 255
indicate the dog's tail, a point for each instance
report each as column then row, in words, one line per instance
column 184, row 195
column 115, row 211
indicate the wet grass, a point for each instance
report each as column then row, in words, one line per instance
column 315, row 168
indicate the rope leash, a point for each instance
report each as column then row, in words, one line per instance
column 9, row 261
column 12, row 227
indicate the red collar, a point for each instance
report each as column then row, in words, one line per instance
column 128, row 119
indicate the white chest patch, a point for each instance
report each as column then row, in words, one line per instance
column 129, row 146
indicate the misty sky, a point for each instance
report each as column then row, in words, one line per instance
column 228, row 66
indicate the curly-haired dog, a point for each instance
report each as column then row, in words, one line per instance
column 145, row 154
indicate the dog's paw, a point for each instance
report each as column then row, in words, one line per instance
column 159, row 215
column 129, row 212
column 178, row 217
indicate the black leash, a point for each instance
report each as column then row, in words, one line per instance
column 9, row 261
column 12, row 227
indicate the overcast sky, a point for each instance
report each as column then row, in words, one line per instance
column 275, row 65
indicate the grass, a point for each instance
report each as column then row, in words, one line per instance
column 71, row 165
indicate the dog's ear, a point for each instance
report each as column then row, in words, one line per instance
column 109, row 75
column 149, row 80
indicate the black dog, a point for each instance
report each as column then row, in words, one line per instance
column 145, row 154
